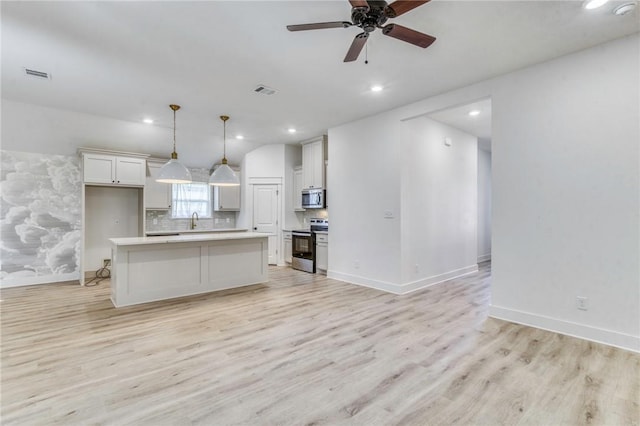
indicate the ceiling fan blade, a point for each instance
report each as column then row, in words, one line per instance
column 359, row 3
column 408, row 35
column 319, row 26
column 356, row 47
column 400, row 7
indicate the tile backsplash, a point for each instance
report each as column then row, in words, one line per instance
column 161, row 220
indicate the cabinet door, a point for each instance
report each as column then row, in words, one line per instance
column 322, row 256
column 157, row 195
column 130, row 171
column 288, row 253
column 313, row 164
column 307, row 166
column 318, row 165
column 226, row 198
column 322, row 251
column 98, row 168
column 297, row 189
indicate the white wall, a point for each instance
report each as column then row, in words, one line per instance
column 565, row 191
column 44, row 130
column 439, row 203
column 566, row 195
column 484, row 205
column 109, row 213
column 364, row 177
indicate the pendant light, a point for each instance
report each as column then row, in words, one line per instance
column 173, row 171
column 223, row 175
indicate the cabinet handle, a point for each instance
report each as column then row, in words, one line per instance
column 113, row 181
column 118, row 181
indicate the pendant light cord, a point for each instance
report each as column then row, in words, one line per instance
column 174, row 130
column 224, row 119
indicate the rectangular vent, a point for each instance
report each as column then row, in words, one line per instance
column 37, row 74
column 261, row 88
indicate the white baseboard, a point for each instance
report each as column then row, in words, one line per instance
column 484, row 257
column 581, row 331
column 38, row 279
column 402, row 288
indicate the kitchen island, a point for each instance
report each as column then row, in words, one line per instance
column 147, row 269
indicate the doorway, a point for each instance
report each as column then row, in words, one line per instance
column 475, row 119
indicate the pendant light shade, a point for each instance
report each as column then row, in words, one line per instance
column 173, row 171
column 223, row 175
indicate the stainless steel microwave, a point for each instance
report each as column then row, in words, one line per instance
column 313, row 198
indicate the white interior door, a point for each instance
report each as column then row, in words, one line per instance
column 265, row 216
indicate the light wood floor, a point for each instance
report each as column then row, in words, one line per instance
column 300, row 350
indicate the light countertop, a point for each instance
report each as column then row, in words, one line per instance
column 194, row 231
column 194, row 237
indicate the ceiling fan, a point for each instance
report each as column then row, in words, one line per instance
column 369, row 15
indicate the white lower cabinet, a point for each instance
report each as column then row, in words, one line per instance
column 286, row 236
column 322, row 252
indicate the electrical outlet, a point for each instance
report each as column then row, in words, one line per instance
column 581, row 303
column 228, row 220
column 416, row 269
column 106, row 262
column 155, row 221
column 356, row 264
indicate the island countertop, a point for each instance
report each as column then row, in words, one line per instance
column 209, row 236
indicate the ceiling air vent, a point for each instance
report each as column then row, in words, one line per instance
column 37, row 74
column 261, row 88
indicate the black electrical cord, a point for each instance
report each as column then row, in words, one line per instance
column 101, row 275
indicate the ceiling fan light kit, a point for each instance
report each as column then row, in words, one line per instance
column 625, row 8
column 369, row 15
column 224, row 175
column 173, row 171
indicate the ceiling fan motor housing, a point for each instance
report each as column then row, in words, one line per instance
column 369, row 18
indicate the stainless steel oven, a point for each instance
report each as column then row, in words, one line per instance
column 303, row 245
column 303, row 251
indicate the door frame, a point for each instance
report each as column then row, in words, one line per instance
column 253, row 181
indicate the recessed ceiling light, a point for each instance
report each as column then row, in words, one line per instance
column 376, row 88
column 623, row 9
column 239, row 137
column 474, row 113
column 593, row 4
column 147, row 121
column 291, row 130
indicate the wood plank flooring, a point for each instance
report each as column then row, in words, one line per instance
column 300, row 350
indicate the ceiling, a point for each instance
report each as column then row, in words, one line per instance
column 478, row 124
column 130, row 60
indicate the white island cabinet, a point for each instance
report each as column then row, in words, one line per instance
column 147, row 269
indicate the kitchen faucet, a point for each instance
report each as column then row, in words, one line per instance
column 193, row 221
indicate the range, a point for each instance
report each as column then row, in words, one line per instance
column 303, row 245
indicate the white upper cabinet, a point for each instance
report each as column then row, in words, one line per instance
column 157, row 196
column 105, row 169
column 297, row 189
column 313, row 163
column 226, row 198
